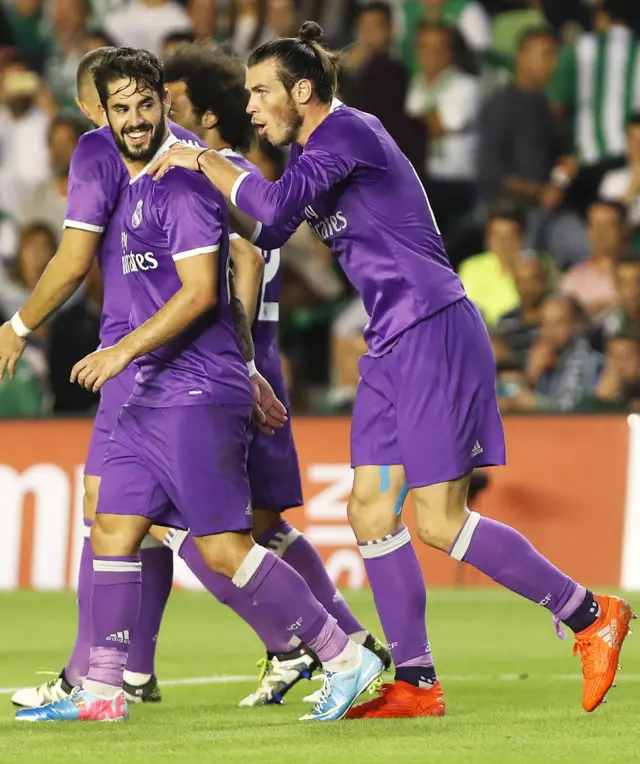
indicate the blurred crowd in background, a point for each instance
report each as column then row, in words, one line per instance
column 521, row 117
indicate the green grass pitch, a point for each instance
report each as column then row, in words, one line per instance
column 512, row 690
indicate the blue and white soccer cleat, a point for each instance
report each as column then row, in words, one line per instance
column 80, row 706
column 341, row 689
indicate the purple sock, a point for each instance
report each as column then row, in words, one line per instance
column 510, row 559
column 157, row 578
column 292, row 547
column 115, row 607
column 223, row 589
column 78, row 665
column 400, row 595
column 283, row 597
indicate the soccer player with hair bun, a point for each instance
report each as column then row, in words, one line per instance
column 426, row 412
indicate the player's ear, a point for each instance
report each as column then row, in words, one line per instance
column 166, row 102
column 85, row 110
column 302, row 92
column 210, row 120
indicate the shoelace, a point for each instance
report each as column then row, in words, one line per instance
column 562, row 634
column 51, row 690
column 583, row 646
column 271, row 673
column 264, row 664
column 325, row 692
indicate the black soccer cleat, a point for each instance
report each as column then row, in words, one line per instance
column 279, row 672
column 149, row 692
column 380, row 649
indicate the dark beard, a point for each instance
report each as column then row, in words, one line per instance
column 294, row 122
column 143, row 155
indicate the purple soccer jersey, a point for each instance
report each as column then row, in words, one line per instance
column 429, row 369
column 97, row 181
column 274, row 470
column 265, row 325
column 181, row 439
column 178, row 217
column 362, row 197
column 97, row 178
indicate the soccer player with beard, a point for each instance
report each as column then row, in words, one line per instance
column 92, row 228
column 426, row 412
column 177, row 455
column 208, row 98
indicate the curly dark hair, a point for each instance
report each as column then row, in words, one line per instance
column 138, row 66
column 215, row 83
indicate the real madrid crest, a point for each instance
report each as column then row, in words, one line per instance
column 136, row 218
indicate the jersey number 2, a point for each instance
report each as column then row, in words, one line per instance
column 269, row 310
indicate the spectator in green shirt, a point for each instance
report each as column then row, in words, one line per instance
column 26, row 22
column 597, row 88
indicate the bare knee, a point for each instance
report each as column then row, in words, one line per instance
column 441, row 511
column 374, row 502
column 224, row 553
column 435, row 532
column 117, row 535
column 91, row 485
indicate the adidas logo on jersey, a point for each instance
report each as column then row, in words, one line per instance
column 476, row 450
column 119, row 636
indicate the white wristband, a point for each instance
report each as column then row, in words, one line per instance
column 18, row 327
column 251, row 367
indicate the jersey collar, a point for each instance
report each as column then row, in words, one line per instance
column 165, row 147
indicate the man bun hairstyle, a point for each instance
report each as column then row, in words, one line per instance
column 302, row 58
column 310, row 31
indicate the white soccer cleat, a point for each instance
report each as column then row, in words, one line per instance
column 49, row 692
column 314, row 697
column 341, row 689
column 278, row 675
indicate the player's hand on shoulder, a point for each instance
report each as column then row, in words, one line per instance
column 99, row 367
column 179, row 155
column 268, row 412
column 11, row 347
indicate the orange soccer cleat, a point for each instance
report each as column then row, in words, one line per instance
column 401, row 700
column 599, row 647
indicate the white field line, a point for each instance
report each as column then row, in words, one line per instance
column 230, row 679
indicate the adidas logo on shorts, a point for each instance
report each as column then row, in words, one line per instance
column 119, row 636
column 476, row 450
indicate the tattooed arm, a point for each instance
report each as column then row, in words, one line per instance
column 268, row 412
column 240, row 322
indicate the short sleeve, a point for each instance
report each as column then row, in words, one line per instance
column 459, row 104
column 562, row 88
column 95, row 177
column 191, row 214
